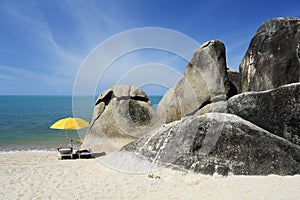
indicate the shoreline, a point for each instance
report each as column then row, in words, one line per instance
column 34, row 146
column 40, row 175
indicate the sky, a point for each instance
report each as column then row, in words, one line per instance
column 44, row 44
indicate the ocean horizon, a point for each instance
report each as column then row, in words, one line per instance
column 25, row 121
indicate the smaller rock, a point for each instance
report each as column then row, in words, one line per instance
column 219, row 107
column 235, row 78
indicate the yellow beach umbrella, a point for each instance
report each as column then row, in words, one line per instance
column 70, row 124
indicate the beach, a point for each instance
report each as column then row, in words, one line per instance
column 40, row 175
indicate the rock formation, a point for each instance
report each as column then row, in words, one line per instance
column 205, row 81
column 218, row 142
column 121, row 112
column 209, row 129
column 261, row 136
column 273, row 57
column 277, row 110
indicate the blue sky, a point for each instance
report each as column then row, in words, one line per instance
column 44, row 42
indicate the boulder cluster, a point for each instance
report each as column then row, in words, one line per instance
column 217, row 120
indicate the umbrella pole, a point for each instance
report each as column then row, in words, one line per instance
column 71, row 141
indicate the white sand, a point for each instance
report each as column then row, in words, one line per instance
column 42, row 176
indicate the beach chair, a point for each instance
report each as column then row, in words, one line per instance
column 65, row 153
column 84, row 153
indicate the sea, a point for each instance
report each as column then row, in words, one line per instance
column 25, row 121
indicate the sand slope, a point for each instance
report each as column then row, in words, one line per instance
column 35, row 175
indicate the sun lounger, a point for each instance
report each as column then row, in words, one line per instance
column 84, row 153
column 65, row 153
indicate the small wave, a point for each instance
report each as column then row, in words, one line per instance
column 26, row 150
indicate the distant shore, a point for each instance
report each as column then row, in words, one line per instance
column 40, row 175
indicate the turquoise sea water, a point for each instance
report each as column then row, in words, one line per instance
column 25, row 121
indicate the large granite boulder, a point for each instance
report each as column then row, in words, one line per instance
column 218, row 142
column 121, row 114
column 205, row 81
column 273, row 57
column 277, row 110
